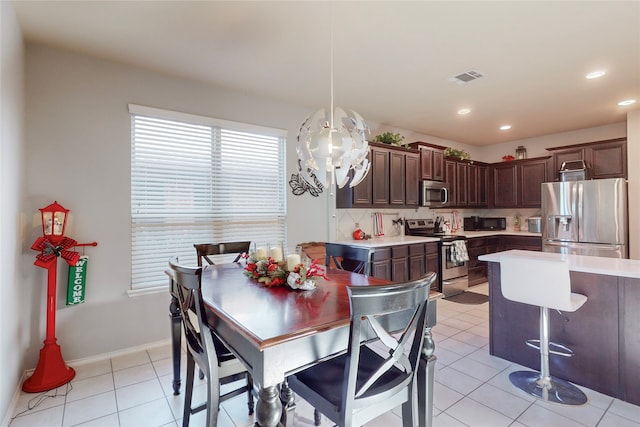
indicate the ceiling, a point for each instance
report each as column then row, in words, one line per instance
column 392, row 59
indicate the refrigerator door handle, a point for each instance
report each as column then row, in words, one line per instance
column 580, row 211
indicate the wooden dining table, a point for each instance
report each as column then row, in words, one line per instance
column 276, row 331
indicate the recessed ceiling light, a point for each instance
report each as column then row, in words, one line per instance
column 505, row 127
column 626, row 102
column 464, row 111
column 595, row 74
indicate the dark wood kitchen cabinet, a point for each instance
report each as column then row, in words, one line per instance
column 380, row 176
column 516, row 184
column 467, row 183
column 397, row 178
column 604, row 159
column 505, row 193
column 432, row 257
column 431, row 160
column 393, row 180
column 381, row 263
column 423, row 258
column 477, row 185
column 412, row 179
column 399, row 263
column 477, row 270
column 391, row 263
column 525, row 243
column 531, row 174
column 417, row 261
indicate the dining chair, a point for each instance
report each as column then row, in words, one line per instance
column 205, row 250
column 365, row 382
column 218, row 364
column 348, row 257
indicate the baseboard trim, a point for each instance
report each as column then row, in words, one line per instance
column 77, row 362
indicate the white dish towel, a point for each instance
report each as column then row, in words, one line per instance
column 459, row 251
column 378, row 224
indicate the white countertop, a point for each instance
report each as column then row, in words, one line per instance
column 377, row 242
column 586, row 264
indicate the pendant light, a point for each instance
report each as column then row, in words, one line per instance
column 334, row 144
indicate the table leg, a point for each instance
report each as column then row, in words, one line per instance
column 288, row 405
column 176, row 336
column 268, row 408
column 425, row 380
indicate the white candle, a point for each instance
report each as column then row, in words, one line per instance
column 276, row 253
column 292, row 261
column 261, row 253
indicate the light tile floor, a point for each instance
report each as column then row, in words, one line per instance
column 472, row 389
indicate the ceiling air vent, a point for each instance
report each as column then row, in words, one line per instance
column 466, row 77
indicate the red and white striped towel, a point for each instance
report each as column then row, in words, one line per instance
column 378, row 224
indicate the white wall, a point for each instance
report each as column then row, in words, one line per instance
column 13, row 293
column 78, row 152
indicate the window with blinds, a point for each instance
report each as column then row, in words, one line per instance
column 200, row 180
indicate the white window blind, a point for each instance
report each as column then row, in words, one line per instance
column 200, row 180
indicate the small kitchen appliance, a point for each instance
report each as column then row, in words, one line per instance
column 483, row 223
column 434, row 194
column 535, row 224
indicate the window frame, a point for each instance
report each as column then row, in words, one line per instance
column 238, row 224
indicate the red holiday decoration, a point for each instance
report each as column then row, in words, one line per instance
column 52, row 371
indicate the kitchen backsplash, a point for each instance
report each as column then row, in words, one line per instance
column 365, row 218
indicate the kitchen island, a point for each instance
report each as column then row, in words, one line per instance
column 604, row 333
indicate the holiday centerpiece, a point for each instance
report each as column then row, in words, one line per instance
column 272, row 272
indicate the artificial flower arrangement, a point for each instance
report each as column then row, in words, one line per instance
column 508, row 158
column 272, row 273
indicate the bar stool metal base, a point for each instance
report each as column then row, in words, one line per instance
column 551, row 389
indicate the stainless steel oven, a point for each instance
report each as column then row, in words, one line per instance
column 454, row 272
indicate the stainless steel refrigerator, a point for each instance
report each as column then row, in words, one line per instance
column 585, row 217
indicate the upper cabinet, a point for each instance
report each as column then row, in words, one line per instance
column 467, row 182
column 604, row 159
column 516, row 184
column 392, row 181
column 431, row 160
column 396, row 172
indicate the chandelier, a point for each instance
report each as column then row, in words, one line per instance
column 332, row 146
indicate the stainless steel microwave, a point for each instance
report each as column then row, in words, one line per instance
column 434, row 193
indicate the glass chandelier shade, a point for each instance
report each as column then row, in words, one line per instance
column 331, row 147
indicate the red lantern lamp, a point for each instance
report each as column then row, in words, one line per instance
column 52, row 371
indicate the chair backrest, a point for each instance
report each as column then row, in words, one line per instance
column 204, row 250
column 189, row 295
column 368, row 304
column 348, row 257
column 540, row 282
column 313, row 250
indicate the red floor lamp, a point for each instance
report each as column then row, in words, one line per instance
column 51, row 370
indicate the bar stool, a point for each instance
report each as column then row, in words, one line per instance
column 544, row 283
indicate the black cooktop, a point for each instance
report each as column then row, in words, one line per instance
column 426, row 228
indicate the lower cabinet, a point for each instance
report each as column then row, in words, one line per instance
column 477, row 270
column 417, row 261
column 391, row 263
column 401, row 263
column 381, row 263
column 525, row 243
